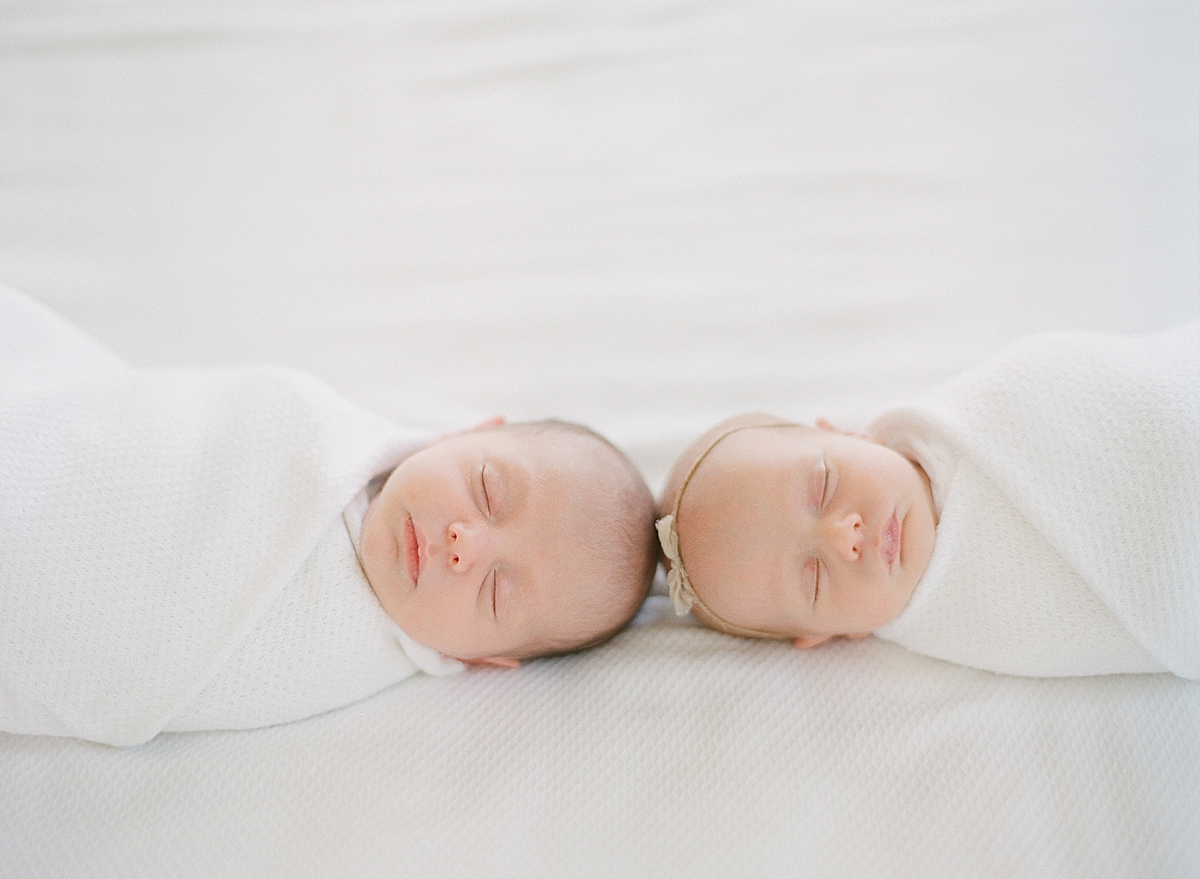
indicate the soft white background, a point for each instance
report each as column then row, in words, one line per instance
column 644, row 215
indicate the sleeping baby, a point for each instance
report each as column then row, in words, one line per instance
column 229, row 549
column 1039, row 515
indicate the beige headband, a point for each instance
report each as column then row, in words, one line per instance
column 683, row 595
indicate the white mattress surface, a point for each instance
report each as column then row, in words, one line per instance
column 675, row 752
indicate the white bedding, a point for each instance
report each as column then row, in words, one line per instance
column 645, row 215
column 176, row 554
column 674, row 752
column 1066, row 472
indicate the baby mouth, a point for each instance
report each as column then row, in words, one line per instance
column 889, row 541
column 412, row 550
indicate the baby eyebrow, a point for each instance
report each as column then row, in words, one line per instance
column 511, row 484
column 816, row 480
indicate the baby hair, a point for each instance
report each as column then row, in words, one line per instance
column 614, row 516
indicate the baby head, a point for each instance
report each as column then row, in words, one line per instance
column 780, row 530
column 511, row 541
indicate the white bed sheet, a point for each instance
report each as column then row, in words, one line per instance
column 645, row 216
column 673, row 752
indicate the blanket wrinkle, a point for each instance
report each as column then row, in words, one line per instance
column 1068, row 470
column 158, row 523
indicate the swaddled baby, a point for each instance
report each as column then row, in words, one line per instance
column 228, row 549
column 1039, row 515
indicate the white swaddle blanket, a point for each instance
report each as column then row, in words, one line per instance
column 1066, row 472
column 175, row 551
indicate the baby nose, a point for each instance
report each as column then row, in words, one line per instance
column 466, row 544
column 848, row 536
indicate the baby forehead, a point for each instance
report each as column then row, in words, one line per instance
column 748, row 477
column 753, row 444
column 756, row 452
column 561, row 452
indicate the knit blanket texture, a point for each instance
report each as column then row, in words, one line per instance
column 174, row 551
column 1067, row 474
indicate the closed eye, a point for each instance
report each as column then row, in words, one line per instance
column 818, row 484
column 487, row 501
column 812, row 579
column 494, row 590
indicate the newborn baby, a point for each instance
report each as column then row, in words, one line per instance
column 1039, row 515
column 229, row 549
column 510, row 541
column 502, row 543
column 793, row 531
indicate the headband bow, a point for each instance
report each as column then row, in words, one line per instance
column 683, row 596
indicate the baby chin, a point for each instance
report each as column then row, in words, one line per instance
column 914, row 545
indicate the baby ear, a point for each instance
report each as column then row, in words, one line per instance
column 804, row 642
column 497, row 661
column 825, row 424
column 494, row 421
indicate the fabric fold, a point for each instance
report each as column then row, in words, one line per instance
column 1067, row 475
column 153, row 520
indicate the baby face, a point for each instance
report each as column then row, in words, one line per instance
column 471, row 546
column 807, row 532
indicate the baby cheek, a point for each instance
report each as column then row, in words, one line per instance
column 378, row 539
column 867, row 602
column 443, row 600
column 451, row 621
column 370, row 546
